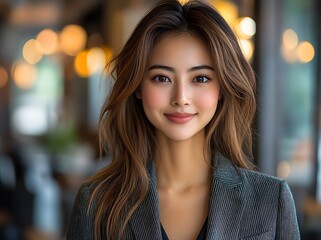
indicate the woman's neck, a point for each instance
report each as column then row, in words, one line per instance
column 181, row 165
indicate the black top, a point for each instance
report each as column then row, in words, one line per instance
column 201, row 235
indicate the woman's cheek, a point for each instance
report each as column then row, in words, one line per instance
column 208, row 100
column 153, row 97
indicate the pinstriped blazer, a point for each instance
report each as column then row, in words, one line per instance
column 243, row 205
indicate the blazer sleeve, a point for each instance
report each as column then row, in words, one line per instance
column 287, row 223
column 80, row 224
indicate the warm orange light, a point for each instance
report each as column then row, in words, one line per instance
column 32, row 51
column 81, row 64
column 305, row 52
column 290, row 39
column 3, row 77
column 48, row 40
column 72, row 39
column 289, row 55
column 24, row 74
column 245, row 27
column 227, row 9
column 96, row 60
column 108, row 54
column 247, row 48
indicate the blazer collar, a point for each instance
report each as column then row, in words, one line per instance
column 225, row 171
column 145, row 221
column 226, row 202
column 225, row 209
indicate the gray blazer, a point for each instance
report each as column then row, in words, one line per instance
column 243, row 205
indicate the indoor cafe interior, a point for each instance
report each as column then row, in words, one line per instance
column 53, row 81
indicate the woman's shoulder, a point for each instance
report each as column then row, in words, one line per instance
column 253, row 181
column 82, row 200
column 256, row 176
column 80, row 224
column 86, row 188
column 84, row 193
column 267, row 199
column 226, row 170
column 265, row 185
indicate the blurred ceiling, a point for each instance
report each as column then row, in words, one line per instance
column 44, row 12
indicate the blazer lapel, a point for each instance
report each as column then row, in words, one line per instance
column 145, row 221
column 226, row 201
column 225, row 210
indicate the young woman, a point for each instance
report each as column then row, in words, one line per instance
column 177, row 125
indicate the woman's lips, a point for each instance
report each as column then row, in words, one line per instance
column 180, row 118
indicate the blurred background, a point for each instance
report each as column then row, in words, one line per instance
column 52, row 84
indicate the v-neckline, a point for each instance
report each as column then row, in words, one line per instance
column 201, row 235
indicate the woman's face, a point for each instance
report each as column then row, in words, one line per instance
column 180, row 90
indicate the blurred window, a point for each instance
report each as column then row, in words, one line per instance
column 296, row 91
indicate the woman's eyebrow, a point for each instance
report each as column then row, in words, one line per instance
column 157, row 66
column 167, row 68
column 201, row 67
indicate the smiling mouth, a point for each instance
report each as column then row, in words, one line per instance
column 180, row 118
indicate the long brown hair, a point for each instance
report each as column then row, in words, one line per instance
column 127, row 135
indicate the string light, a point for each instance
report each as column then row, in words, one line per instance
column 49, row 41
column 24, row 74
column 32, row 51
column 73, row 39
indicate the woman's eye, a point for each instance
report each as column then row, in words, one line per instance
column 161, row 79
column 201, row 79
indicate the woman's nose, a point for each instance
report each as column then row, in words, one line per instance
column 181, row 95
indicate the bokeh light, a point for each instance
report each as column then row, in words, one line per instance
column 283, row 169
column 290, row 39
column 295, row 51
column 49, row 41
column 32, row 51
column 73, row 39
column 247, row 48
column 24, row 74
column 81, row 64
column 96, row 60
column 245, row 27
column 108, row 53
column 30, row 119
column 289, row 55
column 305, row 52
column 3, row 77
column 227, row 9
